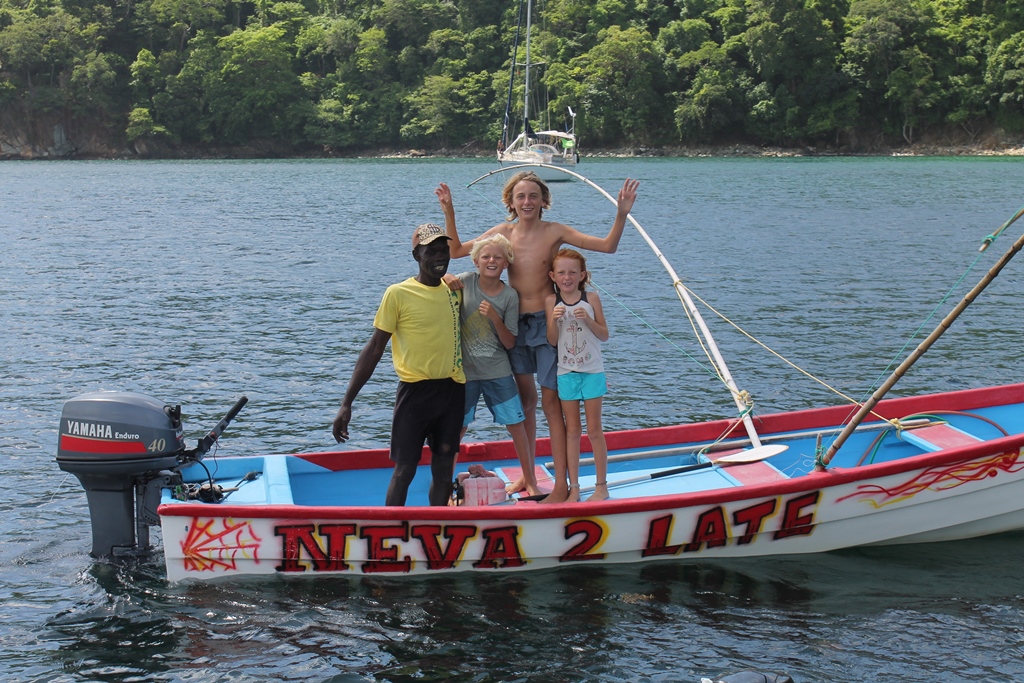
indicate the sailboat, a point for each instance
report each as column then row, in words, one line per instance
column 551, row 147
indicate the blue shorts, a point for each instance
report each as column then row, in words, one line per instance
column 501, row 396
column 532, row 353
column 582, row 386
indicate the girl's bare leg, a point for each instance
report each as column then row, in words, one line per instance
column 596, row 433
column 573, row 433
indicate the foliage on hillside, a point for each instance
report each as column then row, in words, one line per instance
column 351, row 74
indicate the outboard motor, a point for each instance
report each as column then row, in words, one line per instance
column 124, row 447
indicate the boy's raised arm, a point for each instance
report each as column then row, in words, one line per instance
column 608, row 244
column 458, row 249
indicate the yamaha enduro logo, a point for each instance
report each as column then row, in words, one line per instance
column 92, row 430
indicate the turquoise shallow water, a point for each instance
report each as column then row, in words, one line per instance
column 197, row 282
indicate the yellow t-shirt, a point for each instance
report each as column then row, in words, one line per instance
column 424, row 326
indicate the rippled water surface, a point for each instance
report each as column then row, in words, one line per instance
column 197, row 282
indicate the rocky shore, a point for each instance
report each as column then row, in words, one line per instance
column 1013, row 147
column 57, row 142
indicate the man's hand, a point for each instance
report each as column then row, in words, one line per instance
column 454, row 283
column 488, row 311
column 340, row 429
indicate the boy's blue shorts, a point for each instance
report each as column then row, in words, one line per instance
column 501, row 396
column 532, row 353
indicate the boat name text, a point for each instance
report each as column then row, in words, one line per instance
column 324, row 547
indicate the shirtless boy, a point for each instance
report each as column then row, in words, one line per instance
column 535, row 242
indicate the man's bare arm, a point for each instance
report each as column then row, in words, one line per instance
column 367, row 362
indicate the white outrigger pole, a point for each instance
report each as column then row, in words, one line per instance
column 677, row 284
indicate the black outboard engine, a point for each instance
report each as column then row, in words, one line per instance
column 124, row 447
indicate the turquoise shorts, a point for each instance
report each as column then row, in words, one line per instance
column 582, row 386
column 501, row 396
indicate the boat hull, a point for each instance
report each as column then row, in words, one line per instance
column 916, row 491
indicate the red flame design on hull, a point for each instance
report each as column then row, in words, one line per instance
column 938, row 479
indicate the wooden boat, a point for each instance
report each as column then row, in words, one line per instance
column 955, row 470
column 546, row 147
column 918, row 469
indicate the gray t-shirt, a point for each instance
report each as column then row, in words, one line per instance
column 483, row 356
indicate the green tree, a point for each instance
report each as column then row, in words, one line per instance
column 1005, row 79
column 794, row 52
column 888, row 54
column 715, row 101
column 432, row 110
column 616, row 86
column 255, row 94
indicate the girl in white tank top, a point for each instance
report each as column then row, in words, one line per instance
column 576, row 328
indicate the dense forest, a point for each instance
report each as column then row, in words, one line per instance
column 338, row 76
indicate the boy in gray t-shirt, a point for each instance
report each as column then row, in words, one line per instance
column 490, row 322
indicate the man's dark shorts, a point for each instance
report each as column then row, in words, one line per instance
column 532, row 353
column 430, row 411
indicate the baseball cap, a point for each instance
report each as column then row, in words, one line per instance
column 427, row 233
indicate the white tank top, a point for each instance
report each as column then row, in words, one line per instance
column 579, row 350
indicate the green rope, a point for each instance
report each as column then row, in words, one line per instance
column 989, row 239
column 646, row 324
column 992, row 238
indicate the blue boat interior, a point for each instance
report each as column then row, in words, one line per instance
column 290, row 480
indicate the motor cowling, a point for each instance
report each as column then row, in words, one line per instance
column 116, row 443
column 117, row 433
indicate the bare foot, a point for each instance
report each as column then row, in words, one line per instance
column 574, row 494
column 520, row 484
column 600, row 493
column 559, row 495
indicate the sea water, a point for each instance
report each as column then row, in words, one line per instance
column 198, row 282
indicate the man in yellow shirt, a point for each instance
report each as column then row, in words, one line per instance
column 421, row 317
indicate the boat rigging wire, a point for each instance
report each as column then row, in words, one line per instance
column 989, row 239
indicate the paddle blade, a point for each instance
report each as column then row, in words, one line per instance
column 752, row 454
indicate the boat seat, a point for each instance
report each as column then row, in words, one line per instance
column 938, row 437
column 748, row 473
column 279, row 486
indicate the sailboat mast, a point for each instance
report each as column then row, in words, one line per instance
column 512, row 78
column 526, row 93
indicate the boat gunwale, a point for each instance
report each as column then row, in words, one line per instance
column 836, row 476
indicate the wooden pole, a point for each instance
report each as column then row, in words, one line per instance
column 921, row 348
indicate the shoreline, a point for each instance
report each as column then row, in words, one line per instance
column 726, row 151
column 141, row 151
